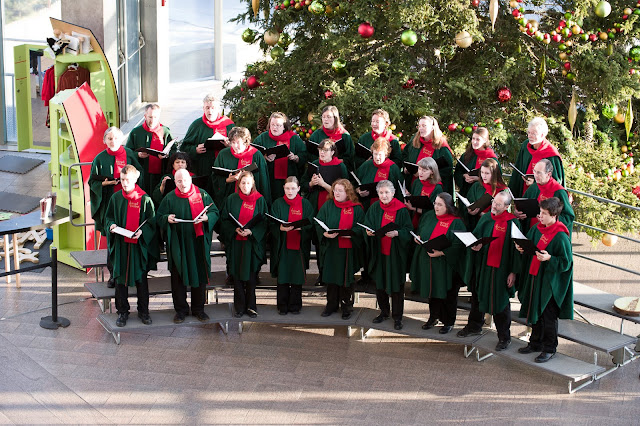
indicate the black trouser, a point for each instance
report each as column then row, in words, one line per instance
column 179, row 295
column 445, row 309
column 339, row 296
column 122, row 293
column 244, row 294
column 475, row 321
column 397, row 303
column 544, row 333
column 289, row 297
column 503, row 323
column 110, row 269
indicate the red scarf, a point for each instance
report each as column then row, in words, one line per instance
column 334, row 134
column 389, row 212
column 548, row 233
column 546, row 191
column 247, row 209
column 387, row 134
column 157, row 136
column 119, row 162
column 281, row 165
column 195, row 204
column 347, row 212
column 245, row 158
column 442, row 227
column 219, row 125
column 545, row 150
column 295, row 213
column 133, row 211
column 428, row 149
column 501, row 222
column 322, row 194
column 483, row 154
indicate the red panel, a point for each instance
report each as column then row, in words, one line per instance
column 87, row 123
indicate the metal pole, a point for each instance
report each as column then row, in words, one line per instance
column 217, row 39
column 53, row 322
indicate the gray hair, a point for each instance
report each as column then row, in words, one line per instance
column 116, row 132
column 539, row 123
column 209, row 97
column 430, row 163
column 507, row 197
column 386, row 184
column 151, row 106
column 548, row 166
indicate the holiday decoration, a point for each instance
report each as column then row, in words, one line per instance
column 634, row 53
column 603, row 9
column 252, row 82
column 365, row 30
column 409, row 84
column 573, row 110
column 409, row 37
column 285, row 40
column 277, row 52
column 328, row 94
column 628, row 119
column 271, row 37
column 316, row 7
column 494, row 5
column 609, row 110
column 248, row 35
column 464, row 39
column 609, row 240
column 504, row 94
column 255, row 4
column 338, row 65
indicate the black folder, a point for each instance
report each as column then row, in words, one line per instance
column 528, row 206
column 420, row 202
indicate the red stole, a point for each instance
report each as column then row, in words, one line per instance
column 218, row 125
column 119, row 162
column 295, row 213
column 501, row 222
column 387, row 134
column 545, row 150
column 133, row 211
column 281, row 165
column 442, row 227
column 389, row 212
column 335, row 134
column 546, row 191
column 157, row 136
column 427, row 149
column 196, row 205
column 322, row 194
column 245, row 158
column 548, row 233
column 483, row 154
column 247, row 209
column 347, row 212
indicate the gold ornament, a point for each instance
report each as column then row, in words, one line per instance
column 255, row 4
column 493, row 13
column 271, row 37
column 464, row 39
column 628, row 119
column 573, row 110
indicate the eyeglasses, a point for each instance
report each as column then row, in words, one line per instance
column 326, row 150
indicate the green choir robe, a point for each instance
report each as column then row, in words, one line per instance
column 475, row 192
column 554, row 279
column 296, row 146
column 490, row 282
column 198, row 133
column 516, row 184
column 100, row 195
column 243, row 256
column 459, row 171
column 140, row 138
column 567, row 216
column 434, row 276
column 341, row 263
column 311, row 193
column 188, row 254
column 347, row 157
column 131, row 261
column 367, row 140
column 290, row 266
column 410, row 154
column 221, row 189
column 367, row 173
column 389, row 272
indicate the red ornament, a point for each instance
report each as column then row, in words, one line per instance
column 365, row 30
column 475, row 3
column 409, row 84
column 253, row 82
column 452, row 127
column 328, row 94
column 504, row 94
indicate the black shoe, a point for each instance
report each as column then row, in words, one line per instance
column 202, row 317
column 346, row 315
column 445, row 329
column 178, row 318
column 252, row 313
column 122, row 319
column 528, row 350
column 503, row 345
column 238, row 314
column 228, row 281
column 544, row 357
column 325, row 313
column 465, row 332
column 282, row 312
column 295, row 312
column 145, row 318
column 397, row 324
column 111, row 283
column 380, row 318
column 429, row 324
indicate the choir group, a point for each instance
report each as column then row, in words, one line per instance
column 365, row 204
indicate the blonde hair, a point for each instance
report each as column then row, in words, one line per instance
column 287, row 123
column 130, row 169
column 240, row 133
column 337, row 124
column 438, row 138
column 382, row 113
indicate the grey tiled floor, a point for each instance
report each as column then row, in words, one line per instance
column 279, row 375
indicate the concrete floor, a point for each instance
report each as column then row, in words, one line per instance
column 275, row 374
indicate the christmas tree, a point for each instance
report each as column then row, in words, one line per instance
column 468, row 63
